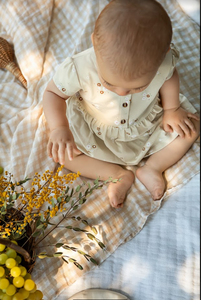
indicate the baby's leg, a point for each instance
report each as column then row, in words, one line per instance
column 151, row 174
column 93, row 168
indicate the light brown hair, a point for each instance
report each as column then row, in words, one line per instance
column 132, row 36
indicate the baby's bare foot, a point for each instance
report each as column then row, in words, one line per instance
column 152, row 180
column 117, row 191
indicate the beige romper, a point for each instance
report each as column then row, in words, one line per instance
column 108, row 127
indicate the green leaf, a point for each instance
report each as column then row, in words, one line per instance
column 3, row 207
column 67, row 189
column 86, row 192
column 69, row 248
column 96, row 181
column 23, row 181
column 78, row 188
column 85, row 256
column 82, row 201
column 90, row 236
column 80, row 195
column 37, row 233
column 101, row 245
column 78, row 218
column 77, row 229
column 69, row 227
column 78, row 265
column 42, row 255
column 12, row 186
column 64, row 259
column 67, row 199
column 14, row 196
column 72, row 191
column 39, row 226
column 72, row 260
column 75, row 207
column 66, row 247
column 52, row 200
column 59, row 199
column 85, row 222
column 38, row 222
column 57, row 254
column 81, row 252
column 94, row 230
column 58, row 245
column 93, row 261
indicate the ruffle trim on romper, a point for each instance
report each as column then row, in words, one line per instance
column 136, row 128
column 112, row 143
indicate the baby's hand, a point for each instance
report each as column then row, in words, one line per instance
column 179, row 120
column 60, row 141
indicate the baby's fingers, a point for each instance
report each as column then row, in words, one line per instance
column 190, row 125
column 185, row 130
column 193, row 116
column 49, row 149
column 70, row 151
column 55, row 149
column 62, row 149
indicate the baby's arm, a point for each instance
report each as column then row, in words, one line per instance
column 61, row 138
column 175, row 118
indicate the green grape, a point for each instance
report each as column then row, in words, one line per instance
column 6, row 297
column 18, row 281
column 27, row 276
column 2, row 247
column 18, row 259
column 23, row 271
column 14, row 242
column 11, row 290
column 2, row 271
column 31, row 297
column 29, row 285
column 11, row 253
column 3, row 258
column 4, row 283
column 38, row 295
column 34, row 289
column 1, row 170
column 18, row 296
column 15, row 271
column 1, row 294
column 10, row 263
column 24, row 293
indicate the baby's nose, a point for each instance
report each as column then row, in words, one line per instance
column 122, row 92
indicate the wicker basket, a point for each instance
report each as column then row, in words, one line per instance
column 27, row 252
column 7, row 61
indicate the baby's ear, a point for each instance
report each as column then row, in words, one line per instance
column 92, row 38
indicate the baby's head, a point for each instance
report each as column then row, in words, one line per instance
column 131, row 39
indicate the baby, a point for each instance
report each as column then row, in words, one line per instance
column 123, row 102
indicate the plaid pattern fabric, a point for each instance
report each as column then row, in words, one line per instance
column 44, row 33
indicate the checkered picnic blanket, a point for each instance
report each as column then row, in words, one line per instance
column 44, row 33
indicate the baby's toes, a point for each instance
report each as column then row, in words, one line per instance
column 158, row 194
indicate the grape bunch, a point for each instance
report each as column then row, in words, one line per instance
column 15, row 282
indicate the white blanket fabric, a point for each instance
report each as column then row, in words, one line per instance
column 162, row 261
